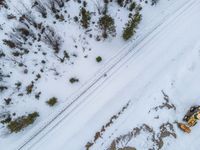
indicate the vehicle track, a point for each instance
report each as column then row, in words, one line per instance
column 100, row 78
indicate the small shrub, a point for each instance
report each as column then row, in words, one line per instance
column 9, row 43
column 11, row 16
column 22, row 122
column 18, row 85
column 65, row 56
column 120, row 2
column 52, row 101
column 138, row 8
column 29, row 88
column 24, row 31
column 2, row 88
column 73, row 80
column 84, row 3
column 88, row 145
column 132, row 6
column 2, row 54
column 75, row 19
column 154, row 2
column 60, row 3
column 99, row 59
column 7, row 119
column 123, row 3
column 7, row 101
column 60, row 17
column 37, row 95
column 16, row 53
column 106, row 1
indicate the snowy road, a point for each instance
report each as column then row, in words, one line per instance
column 159, row 59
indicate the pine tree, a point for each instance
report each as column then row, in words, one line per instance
column 131, row 26
column 85, row 17
column 107, row 25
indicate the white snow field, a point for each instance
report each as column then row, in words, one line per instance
column 159, row 80
column 132, row 99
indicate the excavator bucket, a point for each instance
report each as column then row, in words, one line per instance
column 184, row 127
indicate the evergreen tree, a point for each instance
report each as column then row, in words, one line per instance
column 131, row 26
column 107, row 25
column 85, row 17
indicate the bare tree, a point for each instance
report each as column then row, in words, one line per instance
column 55, row 5
column 99, row 5
column 52, row 6
column 27, row 19
column 3, row 4
column 60, row 3
column 25, row 32
column 40, row 8
column 50, row 38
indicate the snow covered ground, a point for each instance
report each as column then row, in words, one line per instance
column 166, row 67
column 163, row 65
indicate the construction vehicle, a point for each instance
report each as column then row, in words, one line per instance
column 191, row 118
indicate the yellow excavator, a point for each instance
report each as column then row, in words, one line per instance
column 191, row 118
